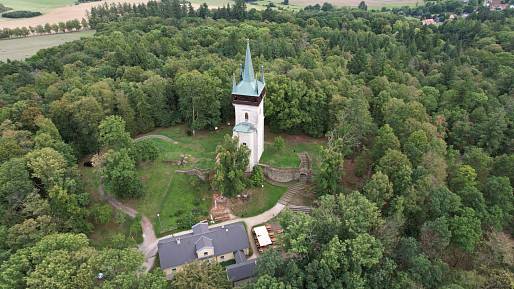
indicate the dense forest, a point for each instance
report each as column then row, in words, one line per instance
column 426, row 113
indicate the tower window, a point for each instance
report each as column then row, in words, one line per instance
column 246, row 115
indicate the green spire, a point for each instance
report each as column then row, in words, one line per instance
column 248, row 71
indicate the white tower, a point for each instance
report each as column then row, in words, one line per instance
column 248, row 100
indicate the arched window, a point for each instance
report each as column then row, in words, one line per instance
column 246, row 115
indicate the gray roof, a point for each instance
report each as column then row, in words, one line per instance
column 245, row 127
column 240, row 256
column 200, row 228
column 241, row 271
column 248, row 84
column 203, row 242
column 175, row 251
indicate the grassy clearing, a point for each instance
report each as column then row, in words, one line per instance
column 179, row 199
column 202, row 146
column 36, row 5
column 260, row 200
column 22, row 48
column 288, row 156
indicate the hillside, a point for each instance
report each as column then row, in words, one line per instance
column 419, row 117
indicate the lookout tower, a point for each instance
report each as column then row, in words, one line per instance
column 248, row 100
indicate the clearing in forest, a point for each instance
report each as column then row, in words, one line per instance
column 181, row 200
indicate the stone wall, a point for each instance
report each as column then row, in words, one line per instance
column 280, row 175
column 286, row 175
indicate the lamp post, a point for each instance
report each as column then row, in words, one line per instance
column 159, row 217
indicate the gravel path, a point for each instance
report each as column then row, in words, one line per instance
column 156, row 136
column 250, row 222
column 149, row 245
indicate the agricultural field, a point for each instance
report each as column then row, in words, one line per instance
column 21, row 48
column 54, row 11
column 63, row 10
column 36, row 5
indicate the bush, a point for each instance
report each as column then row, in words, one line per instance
column 257, row 177
column 279, row 143
column 21, row 14
column 145, row 150
column 120, row 217
column 135, row 230
column 102, row 214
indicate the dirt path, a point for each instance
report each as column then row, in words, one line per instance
column 156, row 136
column 149, row 245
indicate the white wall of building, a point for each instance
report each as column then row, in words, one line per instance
column 253, row 140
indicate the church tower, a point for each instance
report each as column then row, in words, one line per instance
column 248, row 100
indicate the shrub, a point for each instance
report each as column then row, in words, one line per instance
column 120, row 217
column 279, row 143
column 145, row 150
column 257, row 177
column 21, row 14
column 102, row 213
column 135, row 230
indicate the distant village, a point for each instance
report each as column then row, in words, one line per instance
column 493, row 5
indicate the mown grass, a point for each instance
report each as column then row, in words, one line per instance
column 288, row 156
column 174, row 196
column 36, row 5
column 260, row 200
column 22, row 48
column 202, row 146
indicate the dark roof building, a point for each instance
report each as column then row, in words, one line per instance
column 178, row 250
column 243, row 269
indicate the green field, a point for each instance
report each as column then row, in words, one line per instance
column 261, row 199
column 36, row 5
column 21, row 48
column 288, row 156
column 179, row 199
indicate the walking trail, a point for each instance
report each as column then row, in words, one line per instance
column 149, row 245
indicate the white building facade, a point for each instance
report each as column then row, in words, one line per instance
column 248, row 100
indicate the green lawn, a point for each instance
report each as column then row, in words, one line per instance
column 288, row 156
column 21, row 48
column 260, row 200
column 202, row 146
column 179, row 199
column 182, row 200
column 36, row 5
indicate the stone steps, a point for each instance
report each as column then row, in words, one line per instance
column 302, row 209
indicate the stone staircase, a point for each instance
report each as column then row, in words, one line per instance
column 301, row 209
column 300, row 188
column 293, row 190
